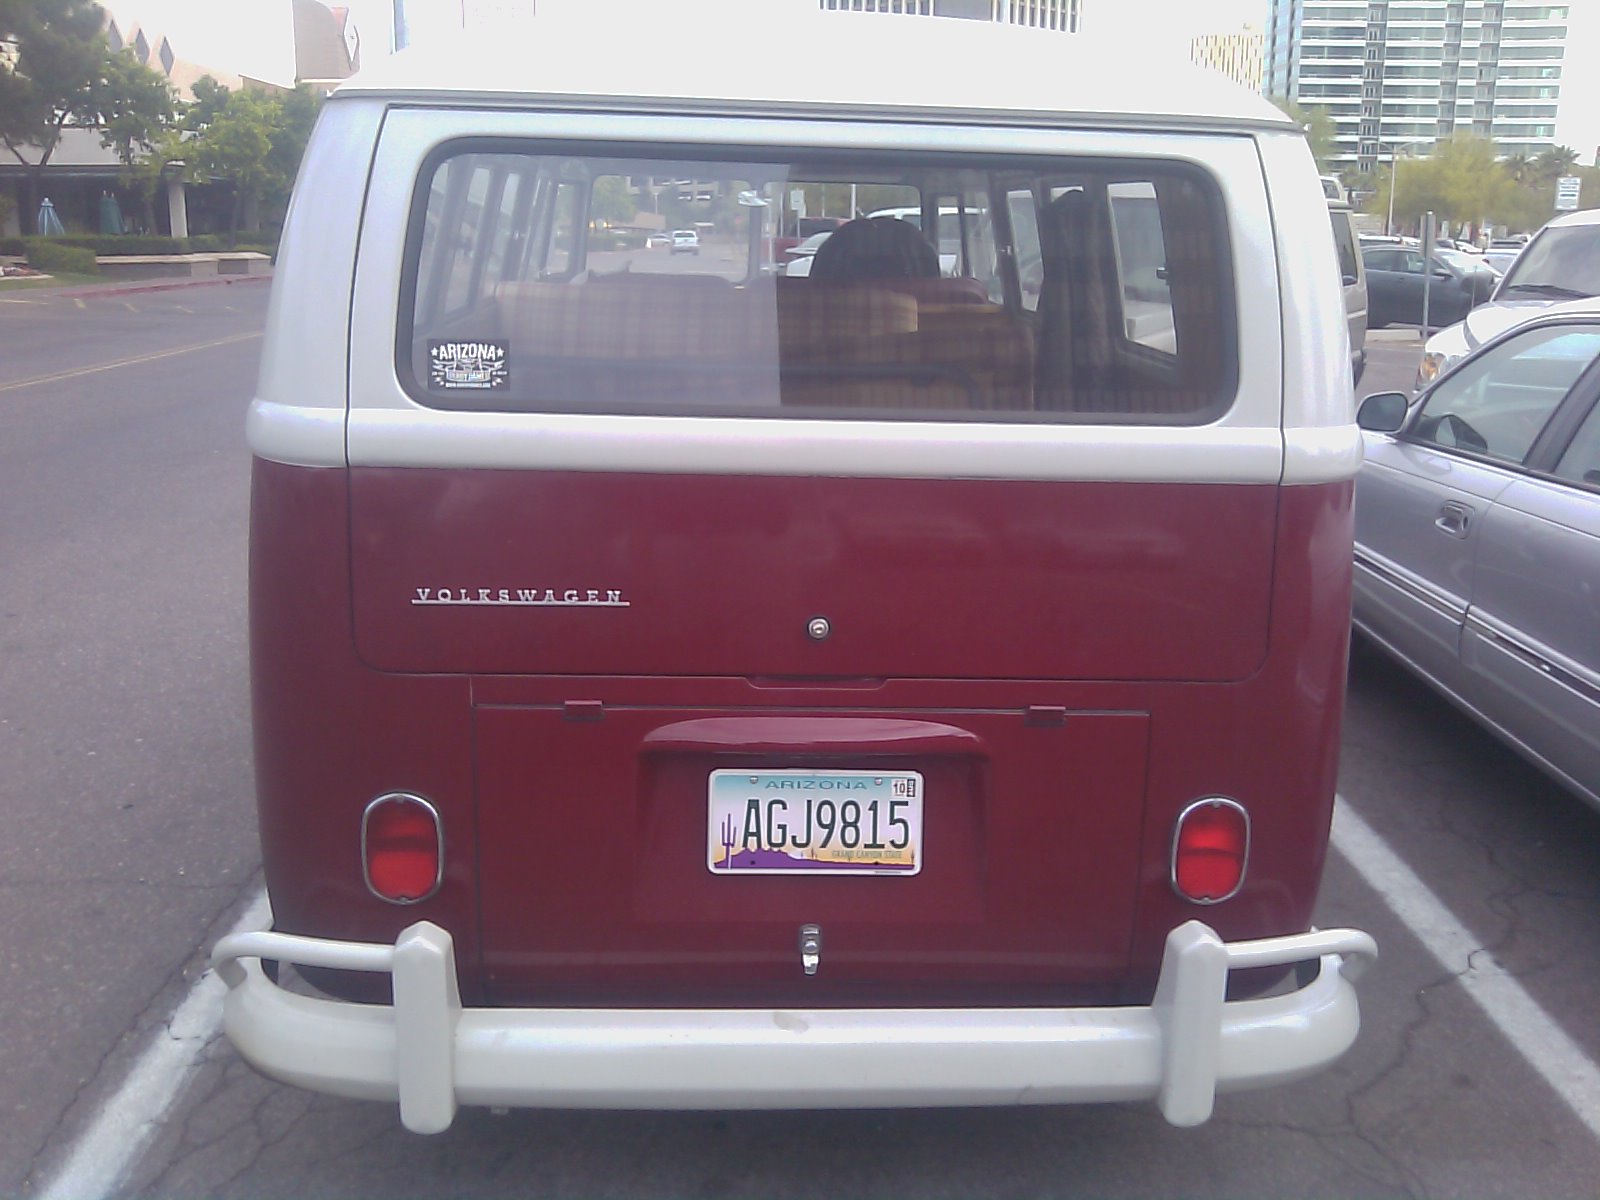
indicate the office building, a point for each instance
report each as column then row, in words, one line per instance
column 1394, row 73
column 1063, row 15
column 1240, row 56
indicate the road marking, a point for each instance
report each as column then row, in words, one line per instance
column 1532, row 1032
column 76, row 372
column 129, row 1118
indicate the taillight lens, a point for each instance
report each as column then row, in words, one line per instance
column 402, row 848
column 1210, row 849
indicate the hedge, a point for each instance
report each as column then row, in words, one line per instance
column 49, row 256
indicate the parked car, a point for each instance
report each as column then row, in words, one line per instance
column 685, row 241
column 800, row 256
column 1560, row 263
column 1477, row 529
column 1353, row 275
column 684, row 689
column 1395, row 278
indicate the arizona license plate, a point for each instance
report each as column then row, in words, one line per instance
column 806, row 822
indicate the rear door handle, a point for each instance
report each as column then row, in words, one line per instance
column 1454, row 518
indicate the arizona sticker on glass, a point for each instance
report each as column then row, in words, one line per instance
column 809, row 822
column 473, row 366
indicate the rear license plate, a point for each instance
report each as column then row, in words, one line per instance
column 805, row 822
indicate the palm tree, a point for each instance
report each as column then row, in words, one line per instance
column 1555, row 162
column 1519, row 167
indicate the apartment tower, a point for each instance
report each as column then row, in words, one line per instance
column 1395, row 73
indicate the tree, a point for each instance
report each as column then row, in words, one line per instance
column 1555, row 162
column 1461, row 182
column 61, row 72
column 1318, row 125
column 252, row 139
column 236, row 145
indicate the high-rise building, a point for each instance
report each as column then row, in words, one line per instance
column 1064, row 15
column 1240, row 56
column 1393, row 73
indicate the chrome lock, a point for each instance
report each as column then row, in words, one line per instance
column 817, row 629
column 810, row 947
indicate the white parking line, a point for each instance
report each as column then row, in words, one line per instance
column 129, row 1117
column 1571, row 1073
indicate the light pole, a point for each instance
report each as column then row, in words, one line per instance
column 1394, row 177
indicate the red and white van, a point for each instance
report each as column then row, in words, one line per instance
column 678, row 684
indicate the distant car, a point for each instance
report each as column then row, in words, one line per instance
column 1354, row 278
column 1477, row 538
column 1561, row 263
column 1499, row 260
column 1395, row 278
column 801, row 255
column 685, row 241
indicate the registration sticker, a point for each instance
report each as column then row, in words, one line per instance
column 809, row 822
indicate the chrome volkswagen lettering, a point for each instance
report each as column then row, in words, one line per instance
column 519, row 597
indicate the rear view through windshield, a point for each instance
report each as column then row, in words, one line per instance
column 885, row 289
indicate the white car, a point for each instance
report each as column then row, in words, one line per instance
column 685, row 241
column 1561, row 263
column 801, row 256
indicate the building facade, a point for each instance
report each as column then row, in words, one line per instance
column 1240, row 56
column 1063, row 15
column 1395, row 73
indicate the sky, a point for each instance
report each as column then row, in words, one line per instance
column 254, row 37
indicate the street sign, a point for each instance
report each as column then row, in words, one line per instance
column 1567, row 189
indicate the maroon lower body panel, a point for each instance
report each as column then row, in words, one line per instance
column 574, row 800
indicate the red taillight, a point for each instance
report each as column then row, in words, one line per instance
column 402, row 848
column 1209, row 850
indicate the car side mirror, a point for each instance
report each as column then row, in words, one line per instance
column 1441, row 273
column 1383, row 412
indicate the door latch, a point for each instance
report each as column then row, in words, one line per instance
column 810, row 947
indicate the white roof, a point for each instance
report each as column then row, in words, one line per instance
column 781, row 56
column 1587, row 216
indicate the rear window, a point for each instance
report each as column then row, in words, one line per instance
column 537, row 280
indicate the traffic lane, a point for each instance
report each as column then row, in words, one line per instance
column 124, row 766
column 48, row 334
column 1418, row 1107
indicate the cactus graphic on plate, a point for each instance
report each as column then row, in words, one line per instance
column 727, row 840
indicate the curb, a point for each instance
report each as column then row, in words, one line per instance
column 153, row 285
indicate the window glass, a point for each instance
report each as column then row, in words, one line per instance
column 1142, row 265
column 1561, row 262
column 629, row 283
column 1345, row 243
column 1497, row 405
column 1025, row 233
column 1581, row 462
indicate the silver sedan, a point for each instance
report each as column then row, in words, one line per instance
column 1477, row 558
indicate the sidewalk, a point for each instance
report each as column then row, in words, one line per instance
column 1404, row 335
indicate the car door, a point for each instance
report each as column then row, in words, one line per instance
column 1531, row 642
column 1423, row 493
column 1383, row 285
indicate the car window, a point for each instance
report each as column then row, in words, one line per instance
column 1380, row 260
column 1345, row 244
column 1497, row 404
column 1581, row 462
column 1046, row 290
column 1565, row 260
column 1413, row 263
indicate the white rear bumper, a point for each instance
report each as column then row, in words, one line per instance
column 430, row 1054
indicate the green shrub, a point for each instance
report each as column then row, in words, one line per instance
column 49, row 255
column 95, row 243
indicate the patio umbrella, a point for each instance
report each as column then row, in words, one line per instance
column 49, row 224
column 110, row 214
